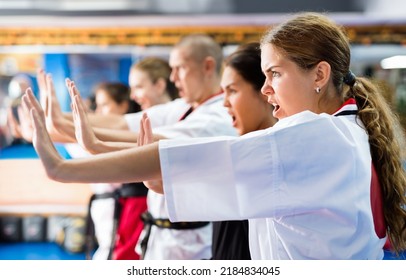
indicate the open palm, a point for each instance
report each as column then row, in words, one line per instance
column 84, row 133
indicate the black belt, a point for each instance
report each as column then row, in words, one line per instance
column 150, row 221
column 126, row 190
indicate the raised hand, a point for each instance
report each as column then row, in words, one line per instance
column 53, row 113
column 145, row 137
column 59, row 128
column 43, row 88
column 41, row 140
column 74, row 91
column 25, row 122
column 84, row 133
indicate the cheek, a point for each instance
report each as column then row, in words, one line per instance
column 140, row 94
column 105, row 110
column 150, row 93
column 113, row 109
column 243, row 108
column 181, row 75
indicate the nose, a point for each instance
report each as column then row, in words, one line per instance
column 173, row 75
column 267, row 88
column 132, row 94
column 226, row 102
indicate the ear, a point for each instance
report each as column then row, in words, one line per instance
column 323, row 73
column 160, row 85
column 209, row 65
column 124, row 106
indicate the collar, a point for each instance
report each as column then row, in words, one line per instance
column 209, row 98
column 348, row 108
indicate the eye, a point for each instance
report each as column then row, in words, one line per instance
column 275, row 74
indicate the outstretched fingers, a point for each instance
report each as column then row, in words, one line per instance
column 30, row 102
column 83, row 130
column 43, row 89
column 72, row 89
column 148, row 137
column 43, row 144
column 145, row 135
column 140, row 139
column 40, row 138
column 54, row 109
column 25, row 122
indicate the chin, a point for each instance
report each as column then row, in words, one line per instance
column 241, row 131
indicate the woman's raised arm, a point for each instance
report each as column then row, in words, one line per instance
column 132, row 165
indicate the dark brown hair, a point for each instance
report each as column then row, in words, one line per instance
column 246, row 60
column 119, row 92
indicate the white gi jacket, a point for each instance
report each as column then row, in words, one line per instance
column 304, row 184
column 208, row 119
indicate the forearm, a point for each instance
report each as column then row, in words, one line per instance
column 106, row 147
column 131, row 165
column 103, row 121
column 115, row 135
column 108, row 121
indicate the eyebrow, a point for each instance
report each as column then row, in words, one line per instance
column 270, row 68
column 227, row 86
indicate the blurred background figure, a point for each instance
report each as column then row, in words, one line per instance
column 19, row 83
column 107, row 203
column 10, row 132
column 149, row 82
column 112, row 98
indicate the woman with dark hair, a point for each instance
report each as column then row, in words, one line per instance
column 114, row 98
column 241, row 81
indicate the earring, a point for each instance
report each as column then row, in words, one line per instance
column 318, row 89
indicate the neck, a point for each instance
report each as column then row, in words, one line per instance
column 165, row 98
column 330, row 104
column 268, row 122
column 333, row 107
column 207, row 95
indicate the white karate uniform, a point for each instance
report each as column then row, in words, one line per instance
column 304, row 184
column 208, row 119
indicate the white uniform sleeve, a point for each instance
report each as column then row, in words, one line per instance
column 133, row 121
column 274, row 172
column 209, row 119
column 199, row 125
column 159, row 115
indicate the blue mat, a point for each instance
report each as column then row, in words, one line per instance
column 36, row 251
column 27, row 151
column 52, row 251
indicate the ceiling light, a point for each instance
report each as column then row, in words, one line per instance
column 394, row 62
